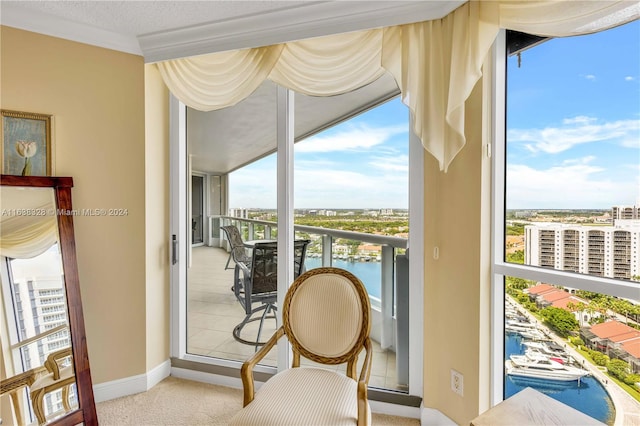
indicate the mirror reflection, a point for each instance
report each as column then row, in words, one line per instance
column 38, row 381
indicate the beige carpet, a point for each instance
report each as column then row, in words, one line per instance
column 184, row 402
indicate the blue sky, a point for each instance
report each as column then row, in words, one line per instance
column 574, row 122
column 573, row 138
column 362, row 163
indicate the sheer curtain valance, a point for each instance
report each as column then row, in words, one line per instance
column 435, row 63
column 28, row 227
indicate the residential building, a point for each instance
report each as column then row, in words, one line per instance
column 625, row 212
column 615, row 339
column 605, row 251
column 545, row 295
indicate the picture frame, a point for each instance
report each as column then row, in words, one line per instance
column 26, row 144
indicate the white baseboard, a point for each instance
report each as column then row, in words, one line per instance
column 131, row 385
column 144, row 382
column 234, row 382
column 433, row 417
column 213, row 379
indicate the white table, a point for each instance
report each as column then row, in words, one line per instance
column 530, row 407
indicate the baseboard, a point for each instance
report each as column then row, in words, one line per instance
column 234, row 382
column 394, row 409
column 213, row 379
column 144, row 382
column 433, row 417
column 131, row 385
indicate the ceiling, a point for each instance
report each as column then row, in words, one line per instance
column 222, row 141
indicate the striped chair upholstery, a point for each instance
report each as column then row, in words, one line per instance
column 326, row 318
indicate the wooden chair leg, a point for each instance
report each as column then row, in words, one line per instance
column 15, row 400
column 37, row 398
column 65, row 398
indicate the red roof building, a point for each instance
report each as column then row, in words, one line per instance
column 540, row 289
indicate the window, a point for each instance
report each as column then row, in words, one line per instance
column 566, row 258
column 34, row 296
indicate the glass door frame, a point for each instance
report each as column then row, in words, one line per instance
column 179, row 176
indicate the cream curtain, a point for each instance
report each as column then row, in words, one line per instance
column 436, row 63
column 28, row 226
column 330, row 65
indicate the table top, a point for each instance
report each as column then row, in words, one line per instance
column 530, row 407
column 251, row 243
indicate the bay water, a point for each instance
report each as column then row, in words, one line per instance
column 588, row 396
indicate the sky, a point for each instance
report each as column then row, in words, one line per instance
column 361, row 163
column 573, row 122
column 573, row 138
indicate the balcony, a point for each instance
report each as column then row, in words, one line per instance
column 213, row 310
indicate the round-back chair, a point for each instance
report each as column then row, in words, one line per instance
column 326, row 317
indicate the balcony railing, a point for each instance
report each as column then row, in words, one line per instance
column 259, row 229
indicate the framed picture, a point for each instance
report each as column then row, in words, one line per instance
column 26, row 144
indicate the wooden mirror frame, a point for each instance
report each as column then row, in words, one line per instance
column 86, row 412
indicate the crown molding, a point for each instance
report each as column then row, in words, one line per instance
column 12, row 15
column 314, row 19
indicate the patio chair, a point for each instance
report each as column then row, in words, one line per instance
column 327, row 318
column 257, row 282
column 237, row 253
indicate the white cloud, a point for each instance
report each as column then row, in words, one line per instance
column 382, row 183
column 629, row 78
column 581, row 119
column 575, row 131
column 574, row 184
column 325, row 184
column 590, row 77
column 354, row 137
column 398, row 163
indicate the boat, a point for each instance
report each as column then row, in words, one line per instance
column 549, row 350
column 536, row 354
column 524, row 329
column 542, row 367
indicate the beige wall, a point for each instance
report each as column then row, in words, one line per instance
column 456, row 284
column 97, row 99
column 157, row 217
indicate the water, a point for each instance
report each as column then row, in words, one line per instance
column 589, row 396
column 367, row 272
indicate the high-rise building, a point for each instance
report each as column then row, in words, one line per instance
column 605, row 251
column 625, row 212
column 39, row 305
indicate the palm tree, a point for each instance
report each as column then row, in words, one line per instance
column 580, row 308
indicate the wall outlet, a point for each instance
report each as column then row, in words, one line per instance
column 457, row 382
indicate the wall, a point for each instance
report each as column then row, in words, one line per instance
column 96, row 97
column 157, row 220
column 456, row 315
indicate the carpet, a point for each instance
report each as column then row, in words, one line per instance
column 176, row 401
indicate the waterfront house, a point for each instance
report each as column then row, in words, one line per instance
column 615, row 339
column 93, row 68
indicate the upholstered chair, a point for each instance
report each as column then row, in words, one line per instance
column 60, row 375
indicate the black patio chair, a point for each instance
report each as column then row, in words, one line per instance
column 257, row 282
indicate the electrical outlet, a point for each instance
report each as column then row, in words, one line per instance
column 457, row 382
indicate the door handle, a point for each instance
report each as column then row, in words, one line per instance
column 174, row 249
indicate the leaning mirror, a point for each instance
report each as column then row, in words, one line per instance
column 44, row 366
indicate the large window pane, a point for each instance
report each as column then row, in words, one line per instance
column 572, row 179
column 573, row 161
column 564, row 343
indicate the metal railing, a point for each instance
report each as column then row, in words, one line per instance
column 389, row 247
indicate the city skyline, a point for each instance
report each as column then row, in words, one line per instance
column 573, row 138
